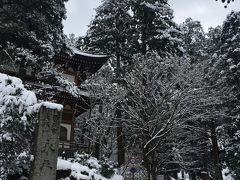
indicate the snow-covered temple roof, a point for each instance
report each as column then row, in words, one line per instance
column 79, row 52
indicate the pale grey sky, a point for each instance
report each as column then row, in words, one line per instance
column 209, row 12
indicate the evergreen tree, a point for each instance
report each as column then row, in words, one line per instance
column 108, row 31
column 228, row 72
column 30, row 32
column 194, row 39
column 154, row 28
column 134, row 26
column 229, row 62
column 213, row 41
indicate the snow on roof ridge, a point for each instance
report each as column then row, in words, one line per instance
column 53, row 106
column 79, row 52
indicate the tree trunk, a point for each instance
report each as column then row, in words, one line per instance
column 22, row 70
column 204, row 172
column 97, row 144
column 216, row 159
column 154, row 176
column 146, row 164
column 143, row 38
column 120, row 143
column 175, row 174
column 193, row 176
column 118, row 69
column 154, row 165
column 182, row 173
column 97, row 149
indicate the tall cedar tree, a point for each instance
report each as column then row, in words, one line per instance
column 108, row 31
column 194, row 39
column 213, row 41
column 228, row 67
column 108, row 34
column 134, row 26
column 154, row 28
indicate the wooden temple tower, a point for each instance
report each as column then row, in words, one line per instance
column 76, row 68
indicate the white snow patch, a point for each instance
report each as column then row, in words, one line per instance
column 150, row 6
column 80, row 172
column 226, row 175
column 50, row 105
column 23, row 154
column 13, row 93
column 232, row 67
column 63, row 164
column 93, row 162
column 237, row 50
column 7, row 137
column 130, row 12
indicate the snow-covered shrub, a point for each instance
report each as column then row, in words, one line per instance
column 107, row 169
column 86, row 167
column 104, row 167
column 17, row 122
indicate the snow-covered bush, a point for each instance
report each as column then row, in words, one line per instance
column 17, row 121
column 105, row 167
column 86, row 167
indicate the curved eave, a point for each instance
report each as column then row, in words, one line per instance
column 78, row 59
column 91, row 57
column 90, row 60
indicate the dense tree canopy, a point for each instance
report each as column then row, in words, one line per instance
column 30, row 31
column 211, row 58
column 228, row 70
column 154, row 28
column 133, row 26
column 194, row 39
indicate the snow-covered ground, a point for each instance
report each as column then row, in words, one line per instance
column 80, row 172
column 225, row 175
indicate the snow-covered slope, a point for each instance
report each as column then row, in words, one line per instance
column 81, row 172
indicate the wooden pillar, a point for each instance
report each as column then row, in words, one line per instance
column 46, row 147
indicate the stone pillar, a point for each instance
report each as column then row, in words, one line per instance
column 46, row 145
